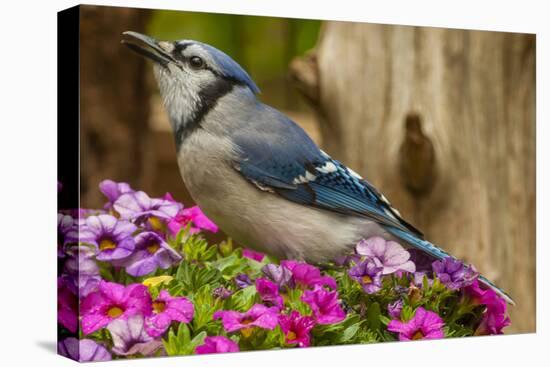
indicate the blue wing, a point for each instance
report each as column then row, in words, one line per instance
column 279, row 156
column 283, row 159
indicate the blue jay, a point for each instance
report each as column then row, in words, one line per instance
column 256, row 173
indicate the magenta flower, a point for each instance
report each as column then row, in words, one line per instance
column 84, row 350
column 112, row 190
column 280, row 275
column 112, row 237
column 307, row 275
column 258, row 316
column 165, row 310
column 495, row 318
column 139, row 206
column 113, row 301
column 196, row 217
column 269, row 292
column 389, row 255
column 394, row 309
column 67, row 305
column 217, row 344
column 254, row 255
column 453, row 273
column 151, row 252
column 324, row 304
column 297, row 328
column 368, row 274
column 129, row 337
column 424, row 325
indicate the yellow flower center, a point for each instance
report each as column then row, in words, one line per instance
column 417, row 335
column 291, row 335
column 159, row 306
column 155, row 223
column 246, row 332
column 153, row 247
column 107, row 244
column 366, row 279
column 115, row 311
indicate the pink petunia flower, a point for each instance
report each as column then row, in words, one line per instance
column 495, row 317
column 254, row 255
column 269, row 292
column 424, row 325
column 297, row 328
column 113, row 301
column 308, row 275
column 217, row 344
column 67, row 305
column 165, row 310
column 324, row 304
column 389, row 255
column 196, row 217
column 258, row 316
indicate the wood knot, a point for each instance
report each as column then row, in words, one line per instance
column 304, row 73
column 417, row 161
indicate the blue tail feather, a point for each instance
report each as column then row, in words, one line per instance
column 437, row 253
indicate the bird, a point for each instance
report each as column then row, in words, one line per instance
column 255, row 172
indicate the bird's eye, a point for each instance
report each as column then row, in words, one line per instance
column 196, row 62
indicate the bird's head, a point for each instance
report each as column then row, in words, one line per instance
column 192, row 77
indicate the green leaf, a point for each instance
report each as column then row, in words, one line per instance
column 373, row 316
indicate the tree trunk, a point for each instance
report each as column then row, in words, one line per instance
column 443, row 122
column 114, row 102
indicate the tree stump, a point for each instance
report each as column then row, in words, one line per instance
column 442, row 121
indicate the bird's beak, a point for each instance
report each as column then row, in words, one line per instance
column 149, row 47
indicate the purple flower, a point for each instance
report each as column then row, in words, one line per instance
column 151, row 252
column 394, row 309
column 113, row 301
column 112, row 190
column 369, row 275
column 269, row 292
column 297, row 328
column 222, row 293
column 112, row 237
column 138, row 206
column 453, row 273
column 129, row 337
column 196, row 217
column 167, row 309
column 258, row 316
column 66, row 230
column 324, row 304
column 307, row 275
column 82, row 270
column 418, row 279
column 424, row 325
column 254, row 255
column 280, row 275
column 84, row 350
column 67, row 306
column 217, row 344
column 243, row 280
column 421, row 260
column 389, row 255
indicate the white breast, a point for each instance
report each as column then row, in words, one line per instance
column 260, row 219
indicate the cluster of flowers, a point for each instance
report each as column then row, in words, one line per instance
column 138, row 279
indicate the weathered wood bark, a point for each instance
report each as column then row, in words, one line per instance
column 443, row 122
column 114, row 102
